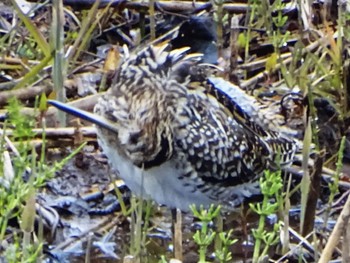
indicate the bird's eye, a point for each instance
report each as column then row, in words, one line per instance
column 143, row 112
column 134, row 137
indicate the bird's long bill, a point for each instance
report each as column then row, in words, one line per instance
column 88, row 116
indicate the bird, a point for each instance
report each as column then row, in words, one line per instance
column 180, row 135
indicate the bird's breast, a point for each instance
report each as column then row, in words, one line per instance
column 164, row 183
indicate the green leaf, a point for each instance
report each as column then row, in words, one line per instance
column 34, row 31
column 43, row 102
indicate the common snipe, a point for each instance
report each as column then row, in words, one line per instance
column 180, row 137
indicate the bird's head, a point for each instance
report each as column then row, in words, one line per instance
column 149, row 90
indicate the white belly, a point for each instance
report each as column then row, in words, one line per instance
column 159, row 183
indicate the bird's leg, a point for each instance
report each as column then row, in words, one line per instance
column 177, row 232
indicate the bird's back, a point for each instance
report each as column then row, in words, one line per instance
column 184, row 137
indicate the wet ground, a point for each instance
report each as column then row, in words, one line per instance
column 91, row 225
column 90, row 219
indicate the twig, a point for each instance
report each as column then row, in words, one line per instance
column 346, row 243
column 262, row 75
column 177, row 223
column 234, row 48
column 327, row 174
column 303, row 242
column 313, row 196
column 339, row 228
column 88, row 131
column 102, row 226
column 23, row 93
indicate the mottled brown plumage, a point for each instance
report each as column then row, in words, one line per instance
column 181, row 137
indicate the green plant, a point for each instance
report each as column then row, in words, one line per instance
column 221, row 20
column 334, row 184
column 141, row 211
column 279, row 38
column 254, row 4
column 271, row 186
column 223, row 254
column 205, row 236
column 162, row 259
column 21, row 174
